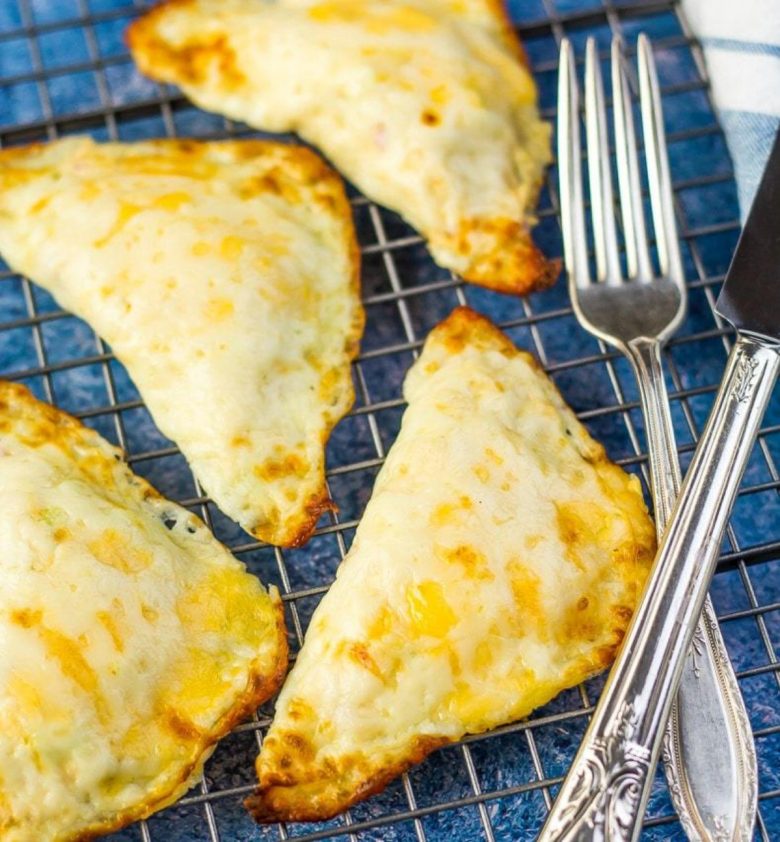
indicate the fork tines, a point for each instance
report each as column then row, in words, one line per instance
column 605, row 237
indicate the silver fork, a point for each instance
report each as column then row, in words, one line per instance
column 708, row 746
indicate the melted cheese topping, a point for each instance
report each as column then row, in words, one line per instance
column 426, row 105
column 225, row 277
column 497, row 563
column 132, row 640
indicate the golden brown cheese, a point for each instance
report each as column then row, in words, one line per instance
column 132, row 640
column 428, row 106
column 498, row 562
column 224, row 275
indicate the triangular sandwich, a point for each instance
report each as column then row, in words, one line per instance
column 498, row 562
column 224, row 275
column 132, row 640
column 428, row 106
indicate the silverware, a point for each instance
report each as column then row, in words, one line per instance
column 708, row 746
column 604, row 794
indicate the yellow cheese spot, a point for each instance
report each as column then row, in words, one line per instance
column 476, row 707
column 51, row 515
column 429, row 612
column 474, row 563
column 74, row 665
column 578, row 527
column 379, row 21
column 231, row 247
column 61, row 534
column 197, row 683
column 440, row 95
column 30, row 701
column 451, row 513
column 299, row 709
column 201, row 248
column 532, row 541
column 149, row 614
column 406, row 18
column 127, row 210
column 223, row 602
column 109, row 624
column 452, row 657
column 382, row 624
column 172, row 201
column 482, row 473
column 359, row 653
column 26, row 617
column 483, row 656
column 219, row 309
column 25, row 694
column 471, row 706
column 40, row 205
column 289, row 465
column 114, row 550
column 198, row 167
column 89, row 191
column 111, row 784
column 529, row 614
column 140, row 739
column 493, row 456
column 330, row 384
column 15, row 177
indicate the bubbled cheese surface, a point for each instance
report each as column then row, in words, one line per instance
column 224, row 275
column 498, row 562
column 131, row 639
column 426, row 105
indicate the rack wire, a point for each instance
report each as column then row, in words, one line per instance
column 64, row 69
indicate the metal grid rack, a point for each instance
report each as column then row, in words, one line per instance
column 64, row 69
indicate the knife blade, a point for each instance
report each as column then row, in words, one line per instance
column 602, row 797
column 746, row 298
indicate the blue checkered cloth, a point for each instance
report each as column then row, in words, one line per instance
column 741, row 41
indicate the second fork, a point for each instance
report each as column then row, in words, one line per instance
column 708, row 747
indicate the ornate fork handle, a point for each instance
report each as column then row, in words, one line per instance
column 708, row 750
column 604, row 795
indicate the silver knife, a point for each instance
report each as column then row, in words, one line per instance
column 603, row 796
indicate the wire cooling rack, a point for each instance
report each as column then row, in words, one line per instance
column 64, row 69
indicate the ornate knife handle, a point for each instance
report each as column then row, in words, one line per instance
column 604, row 794
column 708, row 751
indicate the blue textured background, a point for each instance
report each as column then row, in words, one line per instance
column 64, row 69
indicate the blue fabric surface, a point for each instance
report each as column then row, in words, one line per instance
column 599, row 386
